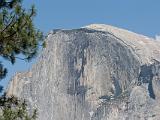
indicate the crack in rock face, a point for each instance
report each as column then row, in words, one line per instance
column 93, row 73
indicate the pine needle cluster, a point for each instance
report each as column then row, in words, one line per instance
column 18, row 34
column 11, row 108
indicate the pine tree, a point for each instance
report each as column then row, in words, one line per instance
column 18, row 36
column 11, row 108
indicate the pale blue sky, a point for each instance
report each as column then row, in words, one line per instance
column 141, row 16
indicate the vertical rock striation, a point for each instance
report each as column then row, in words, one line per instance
column 98, row 72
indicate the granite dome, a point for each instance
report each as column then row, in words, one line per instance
column 98, row 72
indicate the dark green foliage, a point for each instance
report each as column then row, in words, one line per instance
column 18, row 34
column 14, row 109
column 3, row 71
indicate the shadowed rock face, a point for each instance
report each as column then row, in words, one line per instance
column 92, row 74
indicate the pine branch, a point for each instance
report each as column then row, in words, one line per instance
column 11, row 35
column 7, row 26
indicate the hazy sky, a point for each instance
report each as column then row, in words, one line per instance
column 141, row 16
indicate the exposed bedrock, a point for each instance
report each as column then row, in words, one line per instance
column 90, row 74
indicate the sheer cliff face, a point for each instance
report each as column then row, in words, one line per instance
column 94, row 73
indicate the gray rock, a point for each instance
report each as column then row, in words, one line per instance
column 94, row 73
